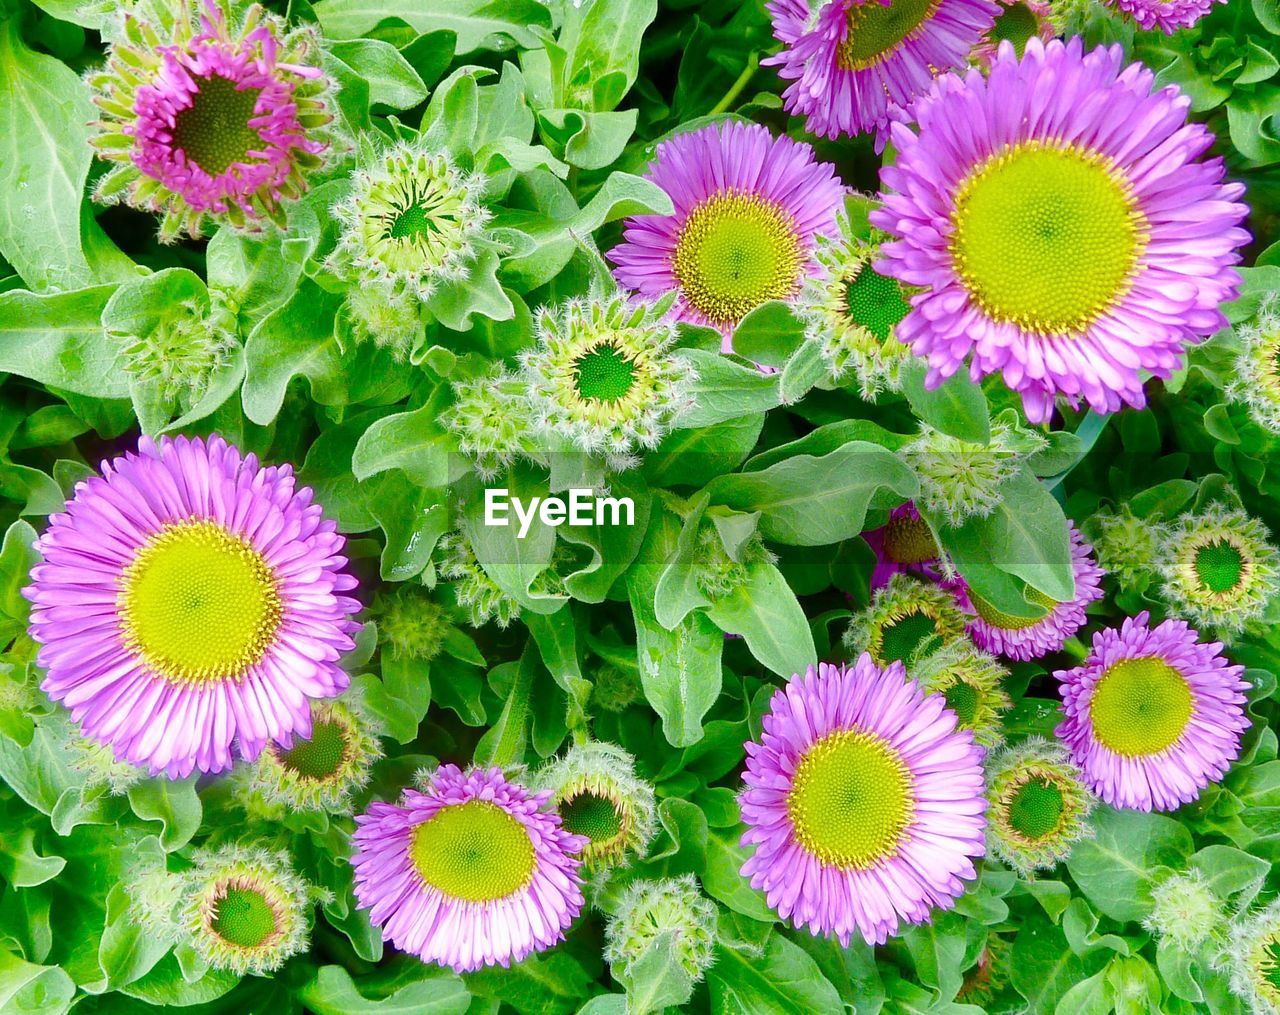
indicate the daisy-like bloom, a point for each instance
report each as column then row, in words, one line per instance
column 973, row 684
column 1032, row 637
column 321, row 773
column 598, row 795
column 851, row 64
column 905, row 619
column 1218, row 569
column 473, row 871
column 414, row 220
column 603, row 375
column 960, row 479
column 747, row 208
column 492, row 420
column 190, row 599
column 863, row 801
column 1185, row 910
column 243, row 909
column 1256, row 380
column 1253, row 959
column 1018, row 22
column 1038, row 805
column 1125, row 546
column 1166, row 15
column 903, row 544
column 1066, row 234
column 650, row 909
column 208, row 116
column 1153, row 715
column 851, row 311
column 411, row 623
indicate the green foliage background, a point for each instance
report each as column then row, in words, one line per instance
column 562, row 107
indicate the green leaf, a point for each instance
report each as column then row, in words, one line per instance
column 294, row 340
column 27, row 987
column 392, row 80
column 21, row 865
column 413, row 442
column 769, row 335
column 427, row 990
column 44, row 161
column 1114, row 868
column 957, row 406
column 174, row 803
column 504, row 742
column 781, row 981
column 726, row 390
column 549, row 984
column 1043, row 967
column 813, row 501
column 58, row 340
column 656, row 979
column 478, row 24
column 766, row 613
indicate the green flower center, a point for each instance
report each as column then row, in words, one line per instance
column 963, row 700
column 474, row 851
column 604, row 374
column 243, row 917
column 1016, row 23
column 591, row 815
column 851, row 799
column 1007, row 621
column 1140, row 706
column 735, row 252
column 909, row 541
column 900, row 638
column 199, row 603
column 414, row 219
column 214, row 130
column 875, row 30
column 1219, row 566
column 1269, row 970
column 320, row 757
column 1046, row 237
column 1036, row 810
column 873, row 301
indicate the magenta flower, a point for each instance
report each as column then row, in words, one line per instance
column 747, row 207
column 1153, row 715
column 474, row 871
column 863, row 801
column 854, row 63
column 188, row 599
column 1061, row 225
column 1166, row 15
column 1018, row 638
column 903, row 543
column 207, row 118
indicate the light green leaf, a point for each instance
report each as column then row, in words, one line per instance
column 1114, row 868
column 27, row 987
column 781, row 981
column 766, row 613
column 174, row 803
column 478, row 24
column 427, row 990
column 57, row 339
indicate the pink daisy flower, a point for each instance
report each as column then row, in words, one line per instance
column 1018, row 638
column 189, row 599
column 473, row 871
column 747, row 208
column 1153, row 715
column 863, row 801
column 903, row 543
column 1166, row 15
column 1063, row 230
column 207, row 117
column 851, row 64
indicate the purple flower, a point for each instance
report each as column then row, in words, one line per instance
column 904, row 543
column 1018, row 638
column 474, row 871
column 1065, row 233
column 864, row 803
column 1153, row 715
column 747, row 207
column 206, row 118
column 855, row 63
column 1166, row 15
column 188, row 599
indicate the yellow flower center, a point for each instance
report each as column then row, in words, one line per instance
column 1047, row 237
column 851, row 799
column 1007, row 621
column 1140, row 707
column 734, row 252
column 877, row 30
column 474, row 851
column 199, row 603
column 909, row 541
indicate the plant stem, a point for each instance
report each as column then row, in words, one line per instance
column 748, row 72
